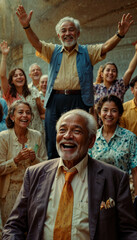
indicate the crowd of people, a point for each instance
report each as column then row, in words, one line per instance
column 66, row 173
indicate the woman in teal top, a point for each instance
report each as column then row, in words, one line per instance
column 115, row 145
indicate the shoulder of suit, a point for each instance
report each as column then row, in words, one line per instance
column 106, row 168
column 48, row 165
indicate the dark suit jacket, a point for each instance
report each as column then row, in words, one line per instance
column 104, row 181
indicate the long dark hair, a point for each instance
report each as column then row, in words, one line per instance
column 13, row 90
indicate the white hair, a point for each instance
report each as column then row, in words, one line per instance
column 33, row 64
column 69, row 19
column 44, row 76
column 91, row 122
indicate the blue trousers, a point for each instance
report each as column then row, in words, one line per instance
column 58, row 104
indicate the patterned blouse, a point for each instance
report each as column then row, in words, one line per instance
column 120, row 151
column 118, row 89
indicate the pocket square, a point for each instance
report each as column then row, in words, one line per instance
column 108, row 204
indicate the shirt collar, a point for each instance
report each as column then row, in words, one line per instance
column 116, row 133
column 80, row 167
column 74, row 49
column 113, row 83
column 133, row 105
column 15, row 139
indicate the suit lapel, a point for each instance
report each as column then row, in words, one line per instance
column 95, row 192
column 43, row 192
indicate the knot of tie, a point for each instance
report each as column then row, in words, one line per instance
column 69, row 175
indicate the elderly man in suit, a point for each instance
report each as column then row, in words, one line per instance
column 93, row 204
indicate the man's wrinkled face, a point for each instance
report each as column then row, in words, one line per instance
column 68, row 34
column 72, row 140
column 35, row 73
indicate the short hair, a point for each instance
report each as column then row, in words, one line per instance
column 133, row 81
column 13, row 90
column 110, row 98
column 90, row 120
column 44, row 76
column 33, row 64
column 69, row 19
column 12, row 108
column 110, row 63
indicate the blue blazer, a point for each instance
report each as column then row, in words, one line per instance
column 104, row 181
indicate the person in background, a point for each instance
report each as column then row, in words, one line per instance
column 15, row 87
column 2, row 120
column 128, row 119
column 94, row 203
column 110, row 84
column 35, row 74
column 3, row 114
column 115, row 145
column 70, row 76
column 20, row 147
column 43, row 86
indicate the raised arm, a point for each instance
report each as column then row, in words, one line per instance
column 4, row 81
column 25, row 22
column 131, row 68
column 123, row 28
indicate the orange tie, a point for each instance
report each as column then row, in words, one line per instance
column 62, row 229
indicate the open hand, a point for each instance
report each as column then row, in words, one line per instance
column 23, row 17
column 125, row 24
column 4, row 48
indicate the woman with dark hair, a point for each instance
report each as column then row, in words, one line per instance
column 115, row 145
column 20, row 147
column 15, row 87
column 110, row 84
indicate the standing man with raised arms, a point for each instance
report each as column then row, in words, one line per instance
column 70, row 83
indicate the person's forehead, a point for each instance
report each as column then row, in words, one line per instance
column 35, row 67
column 110, row 66
column 18, row 71
column 22, row 106
column 67, row 24
column 73, row 120
column 109, row 104
column 44, row 79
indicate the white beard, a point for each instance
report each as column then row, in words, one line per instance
column 69, row 44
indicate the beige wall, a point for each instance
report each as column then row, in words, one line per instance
column 98, row 21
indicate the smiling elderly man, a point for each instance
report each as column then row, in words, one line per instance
column 74, row 196
column 70, row 83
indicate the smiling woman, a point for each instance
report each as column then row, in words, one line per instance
column 20, row 147
column 115, row 145
column 15, row 87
